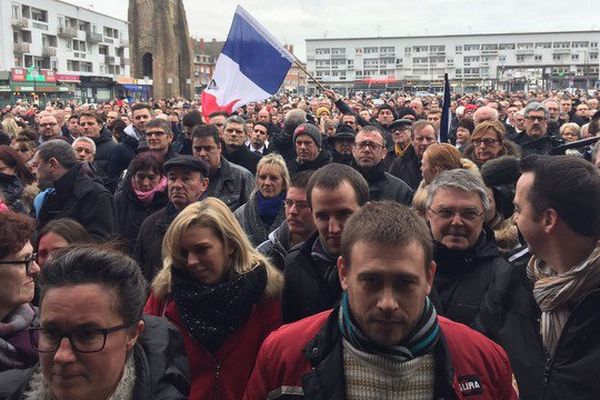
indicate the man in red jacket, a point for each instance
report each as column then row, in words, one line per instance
column 385, row 339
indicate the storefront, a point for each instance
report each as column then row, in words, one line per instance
column 133, row 89
column 5, row 92
column 95, row 89
column 32, row 86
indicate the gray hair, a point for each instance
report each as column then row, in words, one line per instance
column 58, row 149
column 485, row 112
column 295, row 117
column 85, row 140
column 459, row 179
column 236, row 119
column 571, row 125
column 161, row 124
column 535, row 106
column 551, row 100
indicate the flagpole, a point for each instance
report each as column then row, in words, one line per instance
column 299, row 64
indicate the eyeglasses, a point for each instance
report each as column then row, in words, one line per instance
column 372, row 145
column 465, row 215
column 28, row 261
column 535, row 118
column 155, row 133
column 88, row 340
column 485, row 142
column 300, row 205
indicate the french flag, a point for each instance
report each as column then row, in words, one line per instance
column 251, row 67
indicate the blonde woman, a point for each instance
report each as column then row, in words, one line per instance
column 264, row 211
column 222, row 295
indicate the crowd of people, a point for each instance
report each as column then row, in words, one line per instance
column 324, row 247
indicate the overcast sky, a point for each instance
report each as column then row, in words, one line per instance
column 293, row 21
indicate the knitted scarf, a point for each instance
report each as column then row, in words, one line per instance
column 211, row 313
column 420, row 341
column 556, row 294
column 269, row 209
column 147, row 196
column 15, row 350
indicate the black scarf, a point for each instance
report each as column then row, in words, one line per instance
column 374, row 174
column 327, row 266
column 211, row 313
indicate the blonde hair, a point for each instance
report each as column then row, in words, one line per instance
column 275, row 160
column 212, row 213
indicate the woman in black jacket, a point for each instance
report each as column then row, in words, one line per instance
column 144, row 191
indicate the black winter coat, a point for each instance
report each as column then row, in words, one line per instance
column 531, row 146
column 243, row 157
column 104, row 149
column 573, row 371
column 231, row 184
column 384, row 186
column 308, row 288
column 131, row 212
column 121, row 157
column 148, row 246
column 479, row 288
column 408, row 168
column 79, row 197
column 162, row 369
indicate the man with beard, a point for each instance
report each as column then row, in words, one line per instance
column 334, row 193
column 235, row 151
column 369, row 152
column 73, row 194
column 48, row 128
column 535, row 139
column 554, row 122
column 341, row 144
column 187, row 180
column 475, row 284
column 408, row 167
column 310, row 154
column 298, row 225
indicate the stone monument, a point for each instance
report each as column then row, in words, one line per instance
column 160, row 47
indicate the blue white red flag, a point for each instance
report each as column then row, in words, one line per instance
column 446, row 114
column 251, row 67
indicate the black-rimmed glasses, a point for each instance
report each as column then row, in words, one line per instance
column 28, row 261
column 87, row 340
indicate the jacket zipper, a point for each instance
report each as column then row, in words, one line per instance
column 216, row 376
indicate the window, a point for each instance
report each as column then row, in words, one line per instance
column 506, row 46
column 26, row 37
column 537, row 57
column 420, row 60
column 543, row 45
column 39, row 15
column 561, row 45
column 493, row 46
column 419, row 49
column 593, row 56
column 370, row 50
column 502, row 58
column 594, row 44
column 520, row 57
column 359, row 73
column 556, row 57
column 471, row 59
column 438, row 48
column 388, row 49
column 472, row 47
column 581, row 44
column 110, row 32
column 339, row 51
column 322, row 51
column 458, row 49
column 49, row 41
column 407, row 49
column 79, row 45
column 574, row 57
column 524, row 46
column 16, row 11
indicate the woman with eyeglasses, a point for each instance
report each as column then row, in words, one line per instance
column 222, row 294
column 264, row 211
column 92, row 340
column 144, row 191
column 18, row 270
column 488, row 142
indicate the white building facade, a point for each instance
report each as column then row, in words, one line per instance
column 81, row 50
column 513, row 61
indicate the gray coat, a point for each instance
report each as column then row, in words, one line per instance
column 232, row 184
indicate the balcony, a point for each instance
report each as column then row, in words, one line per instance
column 489, row 52
column 561, row 51
column 21, row 48
column 124, row 42
column 20, row 23
column 94, row 37
column 109, row 60
column 525, row 51
column 49, row 52
column 67, row 32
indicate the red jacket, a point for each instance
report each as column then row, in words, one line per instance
column 305, row 359
column 224, row 375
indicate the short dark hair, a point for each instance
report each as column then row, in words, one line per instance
column 59, row 150
column 144, row 161
column 300, row 179
column 332, row 176
column 140, row 106
column 101, row 265
column 159, row 123
column 206, row 130
column 69, row 229
column 15, row 230
column 570, row 185
column 266, row 126
column 372, row 128
column 387, row 223
column 466, row 123
column 191, row 119
column 218, row 113
column 90, row 114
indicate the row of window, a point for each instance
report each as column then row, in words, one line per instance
column 466, row 47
